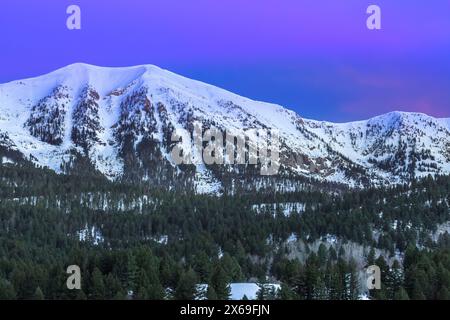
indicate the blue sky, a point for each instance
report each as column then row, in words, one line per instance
column 313, row 56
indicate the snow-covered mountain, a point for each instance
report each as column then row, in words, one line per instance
column 119, row 122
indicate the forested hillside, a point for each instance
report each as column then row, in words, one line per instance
column 138, row 242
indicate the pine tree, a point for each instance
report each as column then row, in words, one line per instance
column 119, row 296
column 232, row 266
column 98, row 285
column 394, row 280
column 371, row 257
column 211, row 293
column 332, row 254
column 169, row 272
column 187, row 286
column 313, row 278
column 202, row 266
column 113, row 287
column 285, row 293
column 418, row 295
column 7, row 291
column 263, row 292
column 322, row 254
column 38, row 294
column 143, row 285
column 352, row 283
column 420, row 283
column 443, row 294
column 132, row 270
column 80, row 295
column 401, row 294
column 341, row 254
column 220, row 283
column 381, row 294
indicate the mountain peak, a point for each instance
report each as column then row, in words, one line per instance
column 122, row 119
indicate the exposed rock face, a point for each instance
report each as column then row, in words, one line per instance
column 86, row 126
column 47, row 117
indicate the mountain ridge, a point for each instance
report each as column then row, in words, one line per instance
column 121, row 119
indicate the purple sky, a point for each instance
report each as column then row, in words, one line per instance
column 314, row 56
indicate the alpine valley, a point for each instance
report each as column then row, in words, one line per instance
column 87, row 178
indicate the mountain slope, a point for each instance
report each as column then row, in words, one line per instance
column 118, row 122
column 397, row 146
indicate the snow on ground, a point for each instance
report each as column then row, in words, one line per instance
column 90, row 235
column 164, row 239
column 6, row 160
column 292, row 238
column 239, row 290
column 441, row 229
column 220, row 253
column 330, row 239
column 250, row 290
column 287, row 208
column 205, row 183
column 394, row 225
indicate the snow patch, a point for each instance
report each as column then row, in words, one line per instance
column 92, row 235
